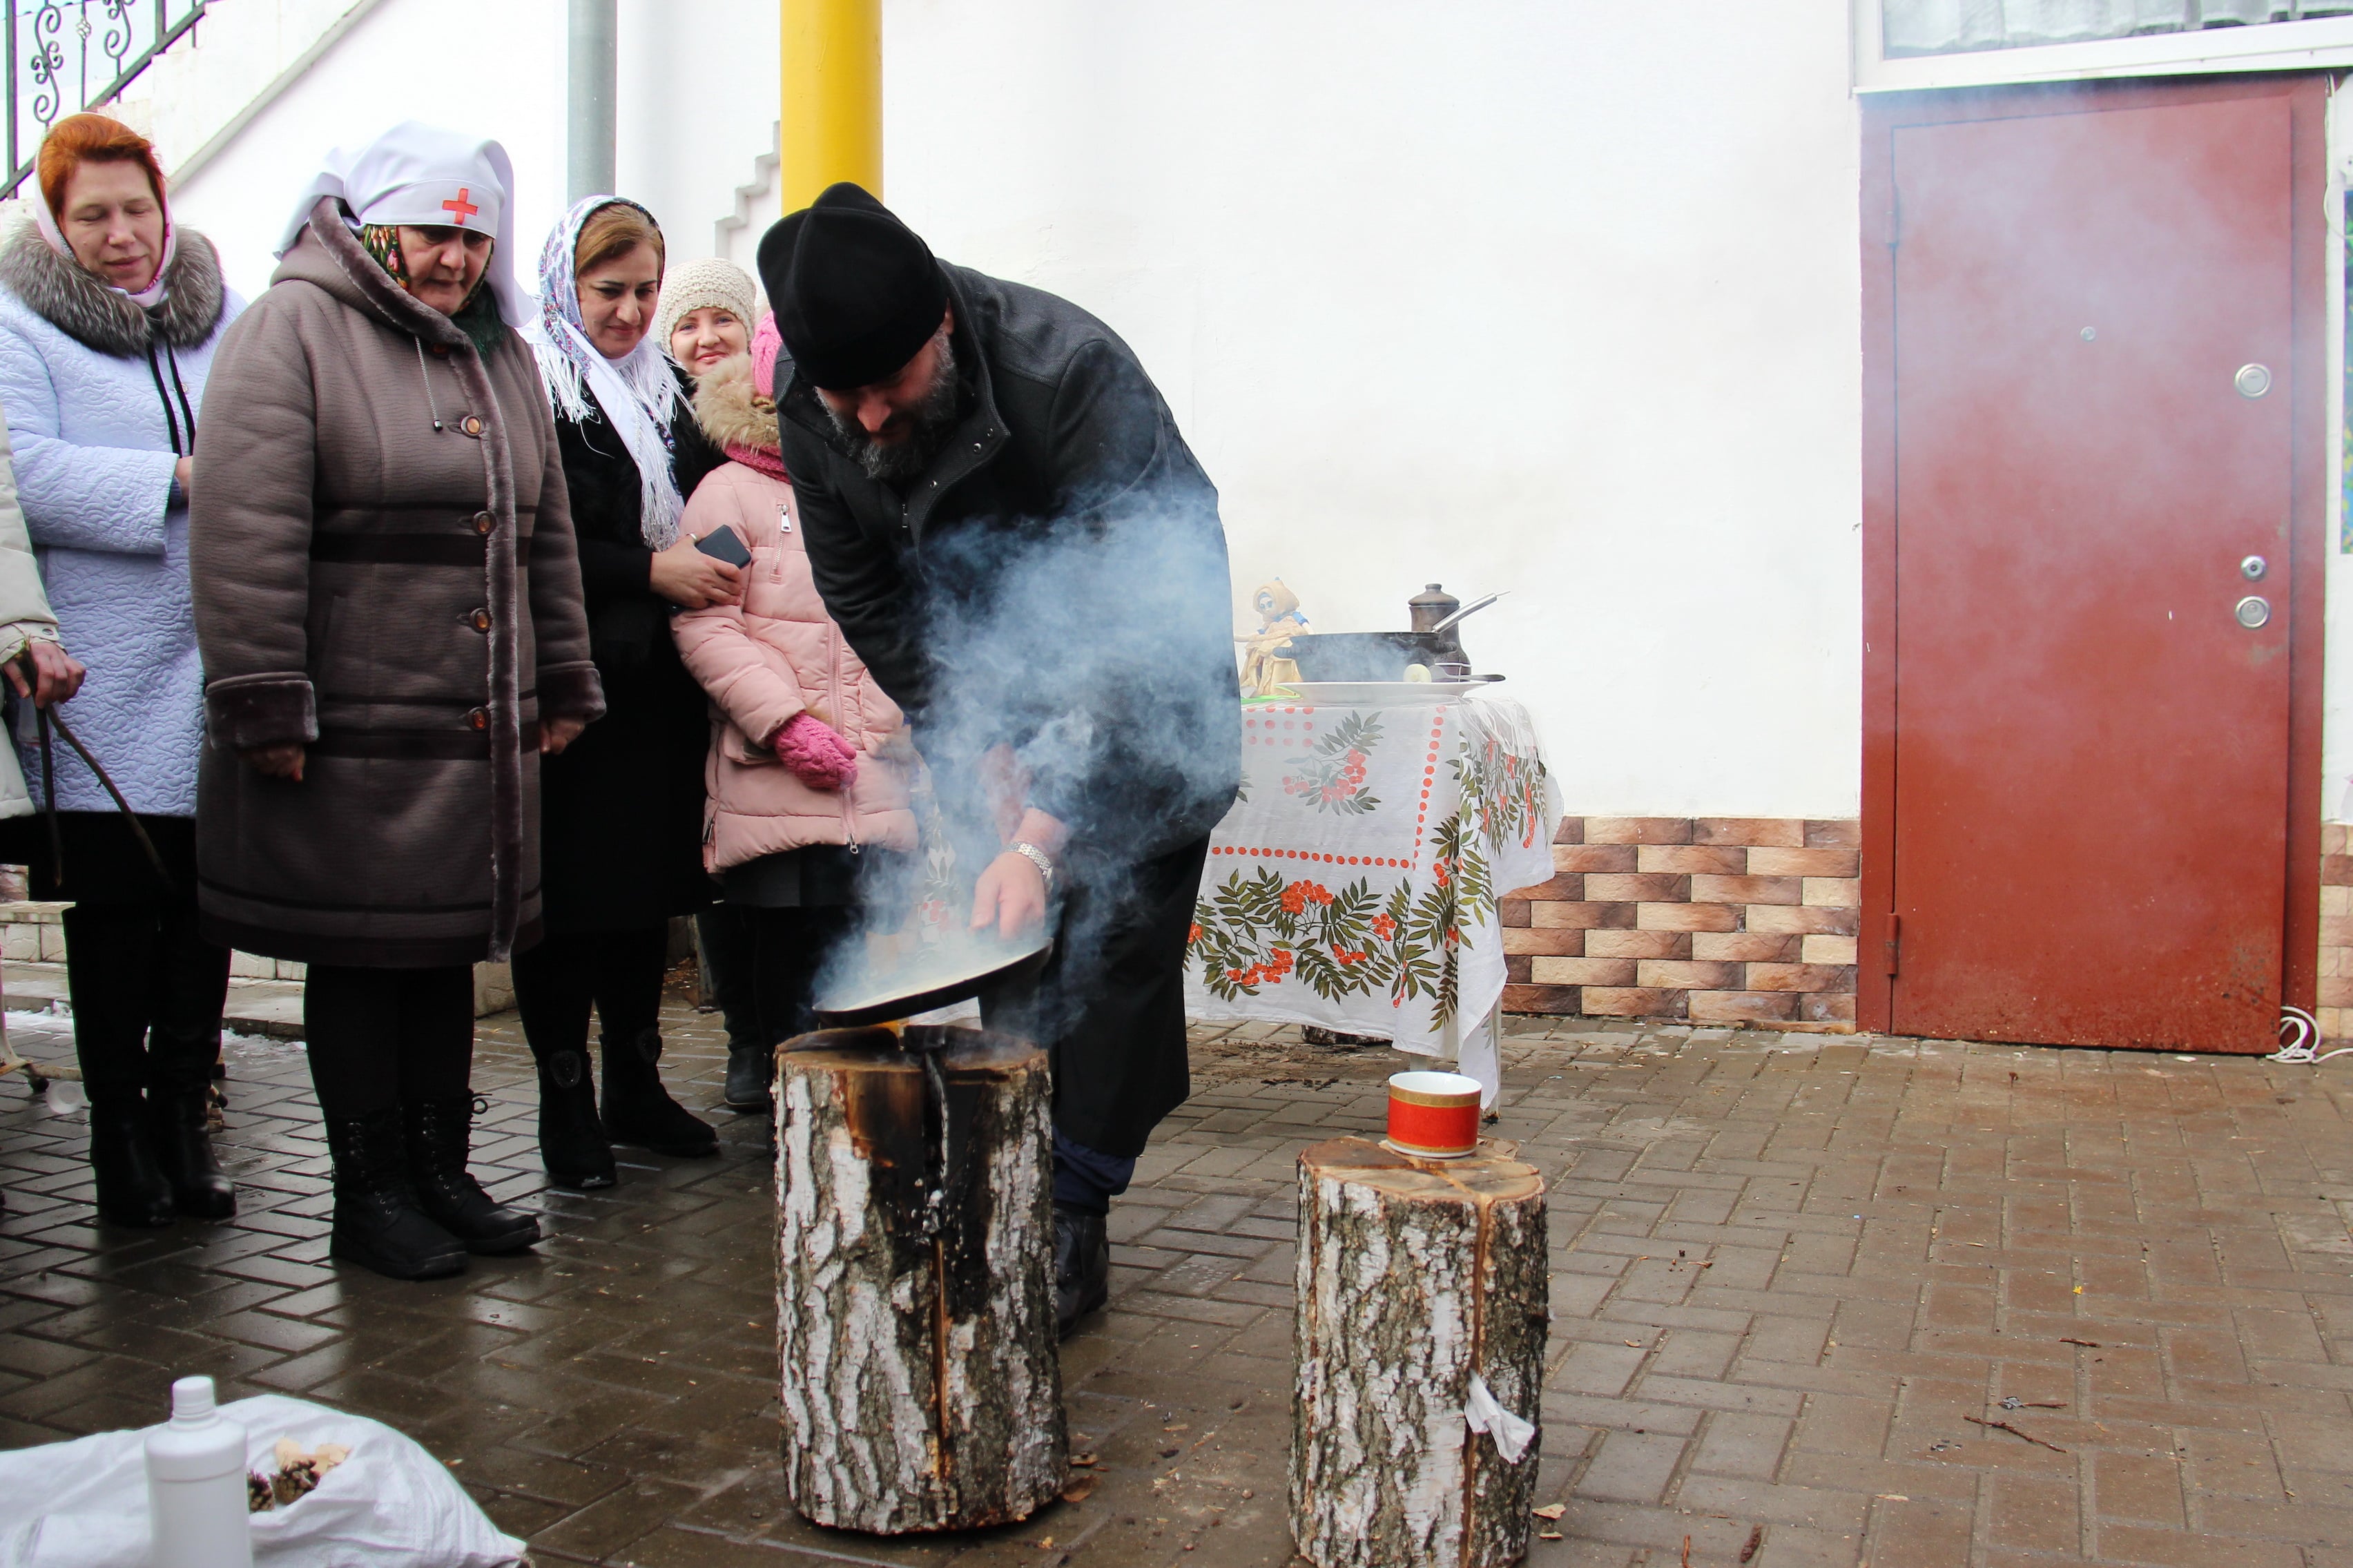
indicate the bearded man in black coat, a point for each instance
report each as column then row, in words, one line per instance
column 1006, row 524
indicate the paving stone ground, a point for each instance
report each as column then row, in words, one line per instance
column 1791, row 1276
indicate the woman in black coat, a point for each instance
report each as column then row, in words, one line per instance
column 621, row 810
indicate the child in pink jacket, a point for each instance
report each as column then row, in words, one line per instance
column 808, row 774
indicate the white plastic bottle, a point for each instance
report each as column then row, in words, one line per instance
column 196, row 1484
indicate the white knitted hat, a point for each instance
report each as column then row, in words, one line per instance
column 713, row 280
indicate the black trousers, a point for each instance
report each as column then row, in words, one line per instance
column 382, row 1037
column 1109, row 1006
column 723, row 940
column 619, row 973
column 789, row 946
column 147, row 993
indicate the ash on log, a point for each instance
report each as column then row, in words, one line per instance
column 916, row 1337
column 1421, row 1317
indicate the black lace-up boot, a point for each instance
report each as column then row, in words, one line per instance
column 439, row 1137
column 179, row 1130
column 572, row 1142
column 639, row 1110
column 1081, row 1266
column 378, row 1222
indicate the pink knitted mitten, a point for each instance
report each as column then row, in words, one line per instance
column 816, row 752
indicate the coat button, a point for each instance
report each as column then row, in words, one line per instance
column 484, row 523
column 471, row 424
column 478, row 719
column 479, row 620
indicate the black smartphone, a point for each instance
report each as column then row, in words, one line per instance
column 721, row 543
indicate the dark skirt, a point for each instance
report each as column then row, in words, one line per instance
column 621, row 808
column 103, row 863
column 820, row 877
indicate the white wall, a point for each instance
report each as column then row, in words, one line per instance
column 494, row 69
column 1556, row 298
column 697, row 108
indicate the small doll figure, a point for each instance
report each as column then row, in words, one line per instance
column 1264, row 669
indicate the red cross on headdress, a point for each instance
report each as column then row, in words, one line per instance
column 461, row 209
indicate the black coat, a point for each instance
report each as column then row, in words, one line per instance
column 1054, row 580
column 621, row 808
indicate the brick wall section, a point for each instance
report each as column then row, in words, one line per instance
column 2335, row 1008
column 1719, row 919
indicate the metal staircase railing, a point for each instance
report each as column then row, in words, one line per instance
column 65, row 55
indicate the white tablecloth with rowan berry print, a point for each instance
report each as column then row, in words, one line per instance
column 1354, row 883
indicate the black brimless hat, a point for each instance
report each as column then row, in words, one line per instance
column 856, row 292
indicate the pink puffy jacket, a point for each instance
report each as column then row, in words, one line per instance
column 776, row 655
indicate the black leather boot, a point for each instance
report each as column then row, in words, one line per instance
column 131, row 1187
column 572, row 1142
column 439, row 1137
column 1081, row 1266
column 378, row 1222
column 751, row 1073
column 179, row 1128
column 639, row 1110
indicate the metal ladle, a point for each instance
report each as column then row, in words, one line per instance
column 1466, row 612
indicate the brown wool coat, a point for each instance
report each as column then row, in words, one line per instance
column 405, row 602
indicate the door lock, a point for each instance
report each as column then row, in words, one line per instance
column 2252, row 380
column 2253, row 611
column 2253, row 567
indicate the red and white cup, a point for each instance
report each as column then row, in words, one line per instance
column 1433, row 1114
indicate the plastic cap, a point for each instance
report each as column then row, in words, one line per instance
column 192, row 1399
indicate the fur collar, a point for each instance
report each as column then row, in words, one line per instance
column 97, row 316
column 734, row 412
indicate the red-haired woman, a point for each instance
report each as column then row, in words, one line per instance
column 108, row 317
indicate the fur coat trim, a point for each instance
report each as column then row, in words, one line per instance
column 732, row 409
column 104, row 319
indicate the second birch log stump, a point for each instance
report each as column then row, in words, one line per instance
column 915, row 1334
column 1422, row 1300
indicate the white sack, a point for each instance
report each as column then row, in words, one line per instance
column 390, row 1503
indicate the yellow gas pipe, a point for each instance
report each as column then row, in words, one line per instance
column 830, row 123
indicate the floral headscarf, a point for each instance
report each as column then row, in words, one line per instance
column 638, row 392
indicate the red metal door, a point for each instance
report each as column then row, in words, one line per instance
column 2091, row 768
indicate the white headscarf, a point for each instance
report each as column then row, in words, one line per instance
column 423, row 175
column 146, row 299
column 638, row 392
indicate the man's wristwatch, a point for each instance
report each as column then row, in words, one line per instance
column 1040, row 858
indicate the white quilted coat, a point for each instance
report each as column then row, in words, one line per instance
column 94, row 461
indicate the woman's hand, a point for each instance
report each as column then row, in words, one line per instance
column 181, row 473
column 691, row 580
column 56, row 674
column 554, row 734
column 278, row 762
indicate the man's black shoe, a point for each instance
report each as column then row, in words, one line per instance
column 1081, row 1266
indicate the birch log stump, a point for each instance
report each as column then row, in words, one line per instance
column 1419, row 1282
column 921, row 1386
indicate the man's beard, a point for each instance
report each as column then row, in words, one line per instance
column 928, row 423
